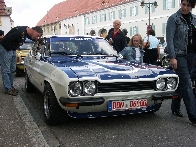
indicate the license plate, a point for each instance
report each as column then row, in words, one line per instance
column 127, row 105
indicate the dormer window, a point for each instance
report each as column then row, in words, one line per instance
column 103, row 2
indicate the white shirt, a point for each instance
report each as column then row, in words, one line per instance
column 138, row 54
column 154, row 42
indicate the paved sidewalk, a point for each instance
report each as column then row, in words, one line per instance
column 12, row 128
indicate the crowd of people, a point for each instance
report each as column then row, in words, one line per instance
column 145, row 50
column 181, row 49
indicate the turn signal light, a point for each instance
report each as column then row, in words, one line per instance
column 71, row 105
column 174, row 96
column 18, row 59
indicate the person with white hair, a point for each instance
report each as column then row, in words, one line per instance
column 116, row 37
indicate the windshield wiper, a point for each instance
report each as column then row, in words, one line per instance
column 100, row 53
column 61, row 53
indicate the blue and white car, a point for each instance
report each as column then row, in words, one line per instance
column 82, row 77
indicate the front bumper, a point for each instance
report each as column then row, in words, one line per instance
column 82, row 102
column 20, row 66
column 101, row 100
column 162, row 96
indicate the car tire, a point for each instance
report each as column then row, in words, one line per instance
column 29, row 87
column 53, row 113
column 19, row 72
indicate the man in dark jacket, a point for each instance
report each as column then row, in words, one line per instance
column 116, row 37
column 8, row 46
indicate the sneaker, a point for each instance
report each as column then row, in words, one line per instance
column 11, row 92
column 15, row 90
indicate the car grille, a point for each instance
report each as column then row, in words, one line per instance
column 125, row 86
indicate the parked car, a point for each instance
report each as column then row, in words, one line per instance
column 21, row 53
column 84, row 77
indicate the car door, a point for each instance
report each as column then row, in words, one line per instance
column 30, row 62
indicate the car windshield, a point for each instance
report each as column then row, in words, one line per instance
column 26, row 46
column 80, row 46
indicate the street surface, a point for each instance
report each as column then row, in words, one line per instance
column 161, row 129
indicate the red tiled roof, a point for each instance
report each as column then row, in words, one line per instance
column 70, row 8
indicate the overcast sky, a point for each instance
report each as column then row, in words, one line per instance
column 29, row 12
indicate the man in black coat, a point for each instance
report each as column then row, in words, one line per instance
column 116, row 37
column 8, row 46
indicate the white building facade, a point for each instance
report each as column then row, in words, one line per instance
column 6, row 24
column 132, row 16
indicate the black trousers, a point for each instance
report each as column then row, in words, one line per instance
column 150, row 56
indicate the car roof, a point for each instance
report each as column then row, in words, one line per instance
column 53, row 36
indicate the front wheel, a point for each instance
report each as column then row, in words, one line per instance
column 19, row 72
column 29, row 87
column 53, row 113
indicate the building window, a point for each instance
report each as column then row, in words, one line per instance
column 59, row 25
column 122, row 13
column 48, row 29
column 102, row 17
column 111, row 15
column 51, row 28
column 168, row 4
column 134, row 30
column 44, row 29
column 87, row 21
column 164, row 28
column 94, row 19
column 153, row 27
column 134, row 11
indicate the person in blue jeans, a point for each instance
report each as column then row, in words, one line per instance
column 134, row 51
column 181, row 49
column 8, row 46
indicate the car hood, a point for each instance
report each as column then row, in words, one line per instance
column 108, row 69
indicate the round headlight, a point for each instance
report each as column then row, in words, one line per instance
column 75, row 89
column 89, row 88
column 160, row 84
column 171, row 83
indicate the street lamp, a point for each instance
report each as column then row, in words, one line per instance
column 148, row 5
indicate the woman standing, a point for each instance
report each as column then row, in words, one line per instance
column 134, row 51
column 181, row 47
